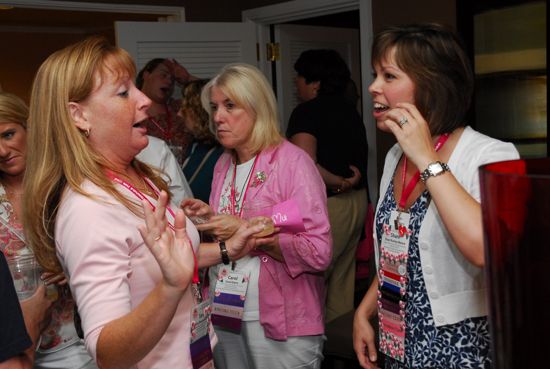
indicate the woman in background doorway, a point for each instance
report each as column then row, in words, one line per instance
column 328, row 127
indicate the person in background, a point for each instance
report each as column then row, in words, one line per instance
column 204, row 151
column 88, row 201
column 430, row 291
column 157, row 154
column 329, row 128
column 260, row 175
column 156, row 80
column 21, row 322
column 60, row 347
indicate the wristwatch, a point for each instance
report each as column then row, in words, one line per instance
column 433, row 170
column 224, row 254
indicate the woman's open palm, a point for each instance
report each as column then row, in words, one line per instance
column 172, row 249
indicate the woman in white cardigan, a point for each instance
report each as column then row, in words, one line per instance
column 429, row 291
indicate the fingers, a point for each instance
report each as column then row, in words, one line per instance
column 355, row 170
column 53, row 278
column 179, row 225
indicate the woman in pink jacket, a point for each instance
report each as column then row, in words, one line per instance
column 274, row 318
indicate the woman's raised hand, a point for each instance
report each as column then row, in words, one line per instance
column 196, row 210
column 172, row 249
column 413, row 134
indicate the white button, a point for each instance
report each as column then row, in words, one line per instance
column 423, row 245
column 440, row 319
column 434, row 295
column 428, row 270
column 264, row 259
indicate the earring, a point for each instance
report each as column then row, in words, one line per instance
column 87, row 132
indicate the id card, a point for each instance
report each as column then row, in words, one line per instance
column 229, row 298
column 201, row 352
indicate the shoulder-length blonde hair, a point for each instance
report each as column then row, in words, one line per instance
column 59, row 155
column 13, row 109
column 247, row 87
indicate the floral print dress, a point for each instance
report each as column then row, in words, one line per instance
column 455, row 346
column 60, row 332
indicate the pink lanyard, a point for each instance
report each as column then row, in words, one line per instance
column 233, row 194
column 166, row 133
column 141, row 196
column 416, row 176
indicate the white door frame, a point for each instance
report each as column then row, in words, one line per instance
column 300, row 9
column 172, row 13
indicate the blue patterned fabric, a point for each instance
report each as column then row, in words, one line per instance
column 463, row 345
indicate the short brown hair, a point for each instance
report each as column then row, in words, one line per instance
column 435, row 60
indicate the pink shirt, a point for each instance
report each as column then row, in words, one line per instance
column 291, row 294
column 111, row 271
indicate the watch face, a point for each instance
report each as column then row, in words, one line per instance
column 435, row 168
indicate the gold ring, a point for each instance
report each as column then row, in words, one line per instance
column 158, row 238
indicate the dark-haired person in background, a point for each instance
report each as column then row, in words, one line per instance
column 328, row 127
column 156, row 80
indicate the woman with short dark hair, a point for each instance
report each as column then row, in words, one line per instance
column 430, row 290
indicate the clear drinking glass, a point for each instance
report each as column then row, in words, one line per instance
column 259, row 212
column 25, row 273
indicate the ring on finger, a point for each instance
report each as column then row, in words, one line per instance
column 157, row 238
column 403, row 120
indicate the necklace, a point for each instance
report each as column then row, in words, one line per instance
column 239, row 194
column 237, row 200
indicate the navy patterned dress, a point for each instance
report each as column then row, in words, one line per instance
column 462, row 345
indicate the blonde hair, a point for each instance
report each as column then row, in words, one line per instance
column 59, row 155
column 247, row 87
column 13, row 109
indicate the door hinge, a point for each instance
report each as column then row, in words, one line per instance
column 273, row 53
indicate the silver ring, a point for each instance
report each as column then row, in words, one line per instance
column 403, row 120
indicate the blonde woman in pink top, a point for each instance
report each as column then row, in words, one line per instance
column 262, row 174
column 88, row 199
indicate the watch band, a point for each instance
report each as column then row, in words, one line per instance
column 430, row 172
column 223, row 253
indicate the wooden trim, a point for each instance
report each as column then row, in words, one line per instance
column 177, row 13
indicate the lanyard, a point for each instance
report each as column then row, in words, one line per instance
column 245, row 189
column 166, row 133
column 141, row 196
column 407, row 190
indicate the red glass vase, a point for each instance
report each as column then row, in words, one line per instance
column 515, row 201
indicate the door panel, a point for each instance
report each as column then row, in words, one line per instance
column 203, row 48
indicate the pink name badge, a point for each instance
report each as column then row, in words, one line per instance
column 201, row 352
column 287, row 217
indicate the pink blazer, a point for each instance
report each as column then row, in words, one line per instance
column 292, row 293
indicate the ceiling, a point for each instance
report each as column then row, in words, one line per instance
column 24, row 19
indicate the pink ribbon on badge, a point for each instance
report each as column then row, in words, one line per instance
column 287, row 217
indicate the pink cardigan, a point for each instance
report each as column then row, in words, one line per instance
column 292, row 293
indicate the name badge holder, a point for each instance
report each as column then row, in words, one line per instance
column 229, row 299
column 393, row 285
column 394, row 252
column 199, row 345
